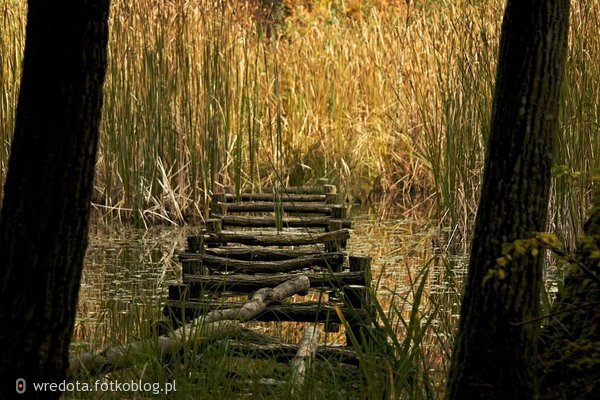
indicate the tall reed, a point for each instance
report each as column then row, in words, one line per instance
column 389, row 100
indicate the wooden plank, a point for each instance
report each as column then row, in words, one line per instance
column 224, row 264
column 310, row 311
column 317, row 189
column 274, row 239
column 241, row 283
column 288, row 207
column 271, row 197
column 254, row 253
column 271, row 222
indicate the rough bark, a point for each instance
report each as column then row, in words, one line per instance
column 45, row 209
column 570, row 342
column 494, row 358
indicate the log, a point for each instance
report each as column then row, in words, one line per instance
column 287, row 222
column 258, row 302
column 213, row 325
column 288, row 207
column 123, row 356
column 317, row 189
column 271, row 197
column 224, row 264
column 276, row 239
column 254, row 253
column 306, row 352
column 309, row 311
column 246, row 283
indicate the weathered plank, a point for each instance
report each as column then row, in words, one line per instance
column 288, row 207
column 286, row 222
column 224, row 264
column 310, row 311
column 271, row 197
column 242, row 283
column 275, row 239
column 255, row 253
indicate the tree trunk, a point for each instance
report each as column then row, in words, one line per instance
column 570, row 342
column 494, row 358
column 45, row 210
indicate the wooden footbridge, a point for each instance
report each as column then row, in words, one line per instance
column 279, row 247
column 255, row 241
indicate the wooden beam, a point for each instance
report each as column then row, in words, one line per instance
column 224, row 264
column 275, row 239
column 309, row 311
column 271, row 222
column 241, row 283
column 288, row 207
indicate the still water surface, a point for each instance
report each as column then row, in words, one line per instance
column 127, row 272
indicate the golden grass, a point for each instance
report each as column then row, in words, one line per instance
column 390, row 102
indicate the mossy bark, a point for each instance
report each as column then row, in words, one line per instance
column 494, row 355
column 45, row 210
column 570, row 342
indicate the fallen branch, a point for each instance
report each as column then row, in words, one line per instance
column 212, row 326
column 306, row 352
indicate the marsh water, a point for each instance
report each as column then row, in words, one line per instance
column 127, row 272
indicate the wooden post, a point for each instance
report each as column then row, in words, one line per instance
column 361, row 264
column 332, row 297
column 213, row 225
column 357, row 297
column 331, row 194
column 334, row 246
column 195, row 243
column 338, row 211
column 219, row 204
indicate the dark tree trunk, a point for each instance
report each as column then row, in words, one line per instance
column 570, row 342
column 493, row 357
column 45, row 210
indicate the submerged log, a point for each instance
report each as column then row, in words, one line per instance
column 276, row 239
column 224, row 264
column 211, row 326
column 247, row 283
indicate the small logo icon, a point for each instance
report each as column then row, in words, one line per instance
column 20, row 385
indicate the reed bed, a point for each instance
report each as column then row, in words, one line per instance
column 388, row 99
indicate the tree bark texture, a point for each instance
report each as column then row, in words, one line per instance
column 45, row 210
column 494, row 358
